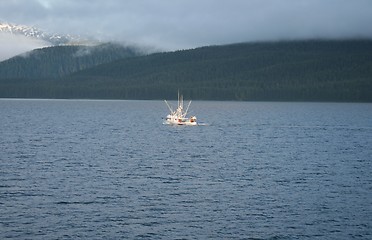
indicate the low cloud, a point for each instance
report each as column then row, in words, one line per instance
column 12, row 45
column 171, row 25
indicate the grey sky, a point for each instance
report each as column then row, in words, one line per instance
column 177, row 24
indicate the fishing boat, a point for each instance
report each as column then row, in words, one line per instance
column 179, row 116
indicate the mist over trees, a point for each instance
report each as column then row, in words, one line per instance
column 316, row 70
column 58, row 61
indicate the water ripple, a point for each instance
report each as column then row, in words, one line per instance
column 88, row 170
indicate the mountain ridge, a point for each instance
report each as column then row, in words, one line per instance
column 36, row 33
column 312, row 70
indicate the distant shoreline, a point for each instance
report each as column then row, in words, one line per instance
column 285, row 71
column 161, row 100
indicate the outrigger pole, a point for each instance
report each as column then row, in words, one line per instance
column 169, row 107
column 187, row 109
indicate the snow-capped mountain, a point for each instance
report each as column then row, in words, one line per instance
column 35, row 33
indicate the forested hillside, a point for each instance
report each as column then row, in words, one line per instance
column 315, row 70
column 59, row 61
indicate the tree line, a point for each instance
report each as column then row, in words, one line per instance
column 317, row 70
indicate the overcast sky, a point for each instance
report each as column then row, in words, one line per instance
column 180, row 24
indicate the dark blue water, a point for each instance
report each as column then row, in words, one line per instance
column 74, row 169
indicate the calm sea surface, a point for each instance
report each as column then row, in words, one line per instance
column 76, row 169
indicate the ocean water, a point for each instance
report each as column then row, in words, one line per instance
column 79, row 169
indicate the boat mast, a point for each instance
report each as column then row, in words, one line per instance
column 181, row 101
column 178, row 99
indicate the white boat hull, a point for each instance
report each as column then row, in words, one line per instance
column 173, row 120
